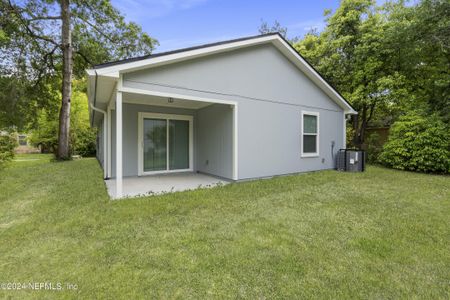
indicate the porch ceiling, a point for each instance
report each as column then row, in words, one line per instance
column 163, row 101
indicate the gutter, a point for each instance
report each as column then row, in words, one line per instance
column 105, row 116
column 95, row 98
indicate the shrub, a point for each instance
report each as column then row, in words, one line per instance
column 45, row 133
column 418, row 143
column 83, row 141
column 350, row 132
column 374, row 147
column 8, row 142
column 82, row 137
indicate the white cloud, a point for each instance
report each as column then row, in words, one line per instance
column 305, row 26
column 173, row 44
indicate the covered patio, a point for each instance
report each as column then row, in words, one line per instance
column 161, row 184
column 154, row 142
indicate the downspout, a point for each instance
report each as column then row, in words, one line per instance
column 105, row 115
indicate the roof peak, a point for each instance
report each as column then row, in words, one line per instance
column 137, row 58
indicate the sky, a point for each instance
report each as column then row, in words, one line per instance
column 184, row 23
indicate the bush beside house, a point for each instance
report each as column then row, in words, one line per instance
column 418, row 143
column 374, row 146
column 8, row 142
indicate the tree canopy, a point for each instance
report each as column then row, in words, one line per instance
column 45, row 44
column 386, row 60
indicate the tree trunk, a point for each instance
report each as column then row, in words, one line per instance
column 360, row 126
column 64, row 114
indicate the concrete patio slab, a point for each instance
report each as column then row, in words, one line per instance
column 161, row 184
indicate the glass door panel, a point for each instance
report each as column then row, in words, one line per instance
column 155, row 145
column 178, row 144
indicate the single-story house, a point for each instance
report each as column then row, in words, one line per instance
column 240, row 109
column 23, row 145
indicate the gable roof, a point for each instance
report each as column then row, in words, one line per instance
column 114, row 68
column 122, row 61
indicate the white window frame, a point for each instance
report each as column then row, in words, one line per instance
column 167, row 117
column 316, row 114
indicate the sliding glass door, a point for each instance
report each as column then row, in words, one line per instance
column 166, row 143
column 178, row 144
column 155, row 145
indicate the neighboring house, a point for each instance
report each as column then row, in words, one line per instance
column 23, row 146
column 241, row 109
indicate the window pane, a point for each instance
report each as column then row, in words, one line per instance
column 22, row 140
column 309, row 144
column 178, row 144
column 309, row 124
column 155, row 144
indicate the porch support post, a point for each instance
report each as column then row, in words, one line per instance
column 119, row 144
column 109, row 114
column 344, row 133
column 108, row 164
column 104, row 132
column 235, row 142
column 105, row 145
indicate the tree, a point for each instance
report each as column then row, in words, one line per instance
column 8, row 142
column 386, row 60
column 82, row 136
column 418, row 143
column 46, row 35
column 276, row 27
column 420, row 38
column 351, row 54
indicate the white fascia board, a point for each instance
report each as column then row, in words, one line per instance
column 174, row 95
column 312, row 74
column 277, row 41
column 90, row 72
column 89, row 97
column 155, row 61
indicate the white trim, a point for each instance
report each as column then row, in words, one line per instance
column 105, row 156
column 119, row 115
column 188, row 104
column 276, row 40
column 168, row 145
column 344, row 135
column 109, row 108
column 235, row 143
column 140, row 145
column 108, row 173
column 316, row 114
column 174, row 95
column 181, row 56
column 304, row 66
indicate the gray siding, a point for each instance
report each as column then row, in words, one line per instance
column 270, row 140
column 270, row 92
column 215, row 140
column 260, row 73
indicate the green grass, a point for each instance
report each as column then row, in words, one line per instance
column 379, row 234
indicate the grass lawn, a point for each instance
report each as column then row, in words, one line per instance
column 380, row 234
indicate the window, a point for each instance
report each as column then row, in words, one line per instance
column 22, row 140
column 310, row 134
column 166, row 143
